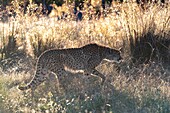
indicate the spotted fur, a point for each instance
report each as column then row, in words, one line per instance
column 58, row 61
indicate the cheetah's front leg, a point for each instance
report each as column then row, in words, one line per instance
column 95, row 72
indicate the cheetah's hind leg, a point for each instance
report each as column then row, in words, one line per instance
column 53, row 84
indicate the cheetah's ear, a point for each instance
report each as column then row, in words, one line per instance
column 121, row 49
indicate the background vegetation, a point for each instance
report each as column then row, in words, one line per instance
column 142, row 84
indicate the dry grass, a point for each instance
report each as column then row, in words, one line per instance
column 142, row 85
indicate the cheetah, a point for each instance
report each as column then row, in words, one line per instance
column 57, row 61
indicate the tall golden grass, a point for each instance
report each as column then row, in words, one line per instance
column 142, row 84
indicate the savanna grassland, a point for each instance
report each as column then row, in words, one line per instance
column 140, row 84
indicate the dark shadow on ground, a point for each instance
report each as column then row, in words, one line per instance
column 150, row 47
column 85, row 93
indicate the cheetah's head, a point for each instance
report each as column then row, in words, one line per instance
column 112, row 55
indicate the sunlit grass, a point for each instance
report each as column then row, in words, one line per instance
column 138, row 87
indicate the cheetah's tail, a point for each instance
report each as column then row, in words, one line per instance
column 24, row 87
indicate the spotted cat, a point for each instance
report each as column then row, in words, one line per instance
column 58, row 61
